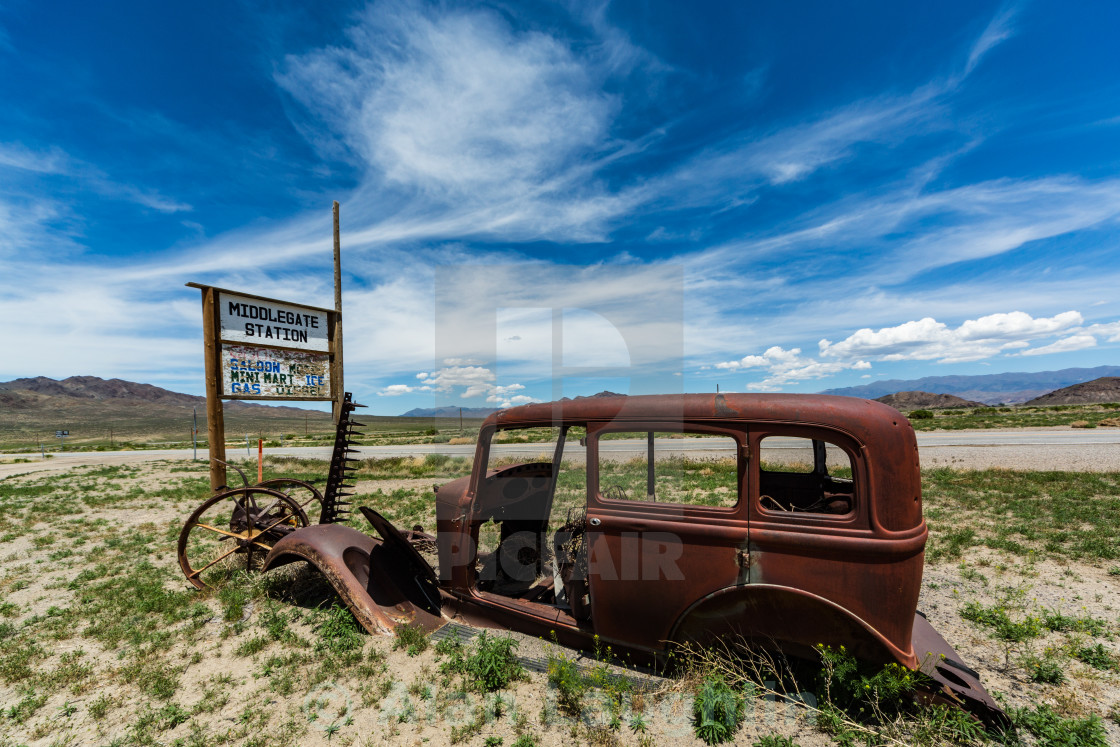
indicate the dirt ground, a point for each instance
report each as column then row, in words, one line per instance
column 226, row 693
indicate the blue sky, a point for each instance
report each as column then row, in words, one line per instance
column 550, row 199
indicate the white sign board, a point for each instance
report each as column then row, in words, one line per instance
column 253, row 372
column 256, row 322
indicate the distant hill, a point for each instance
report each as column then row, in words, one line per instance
column 990, row 389
column 1104, row 389
column 450, row 412
column 95, row 410
column 98, row 389
column 926, row 401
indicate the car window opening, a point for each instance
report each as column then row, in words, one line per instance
column 805, row 476
column 530, row 516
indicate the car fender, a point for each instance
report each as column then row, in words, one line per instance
column 762, row 614
column 378, row 589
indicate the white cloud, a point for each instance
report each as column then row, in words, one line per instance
column 1109, row 331
column 480, row 127
column 1066, row 345
column 999, row 29
column 928, row 339
column 788, row 367
column 471, row 380
column 395, row 390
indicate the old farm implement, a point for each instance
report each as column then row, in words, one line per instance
column 236, row 528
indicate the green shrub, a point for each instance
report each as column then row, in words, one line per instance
column 717, row 711
column 921, row 415
column 1044, row 669
column 1052, row 729
column 1003, row 627
column 1097, row 657
column 411, row 638
column 774, row 740
column 338, row 632
column 491, row 666
column 861, row 689
column 564, row 675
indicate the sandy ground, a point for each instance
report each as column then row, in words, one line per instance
column 403, row 718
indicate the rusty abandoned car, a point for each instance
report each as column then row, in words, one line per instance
column 784, row 520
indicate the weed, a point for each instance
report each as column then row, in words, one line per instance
column 525, row 740
column 564, row 675
column 490, row 666
column 1003, row 627
column 338, row 632
column 717, row 710
column 864, row 691
column 411, row 638
column 100, row 707
column 1056, row 621
column 493, row 741
column 252, row 646
column 1044, row 669
column 1097, row 657
column 26, row 707
column 1052, row 729
column 638, row 723
column 776, row 740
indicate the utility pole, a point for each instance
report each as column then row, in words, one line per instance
column 337, row 384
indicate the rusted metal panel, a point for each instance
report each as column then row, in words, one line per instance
column 370, row 576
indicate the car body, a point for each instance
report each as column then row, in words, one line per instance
column 641, row 522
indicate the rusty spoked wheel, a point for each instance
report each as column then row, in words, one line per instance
column 233, row 532
column 304, row 494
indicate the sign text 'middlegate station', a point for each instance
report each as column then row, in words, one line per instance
column 260, row 322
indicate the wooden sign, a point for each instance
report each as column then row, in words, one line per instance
column 259, row 321
column 252, row 372
column 263, row 348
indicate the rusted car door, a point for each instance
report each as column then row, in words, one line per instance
column 657, row 548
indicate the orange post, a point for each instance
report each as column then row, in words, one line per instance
column 260, row 460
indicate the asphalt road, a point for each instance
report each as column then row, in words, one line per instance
column 1057, row 448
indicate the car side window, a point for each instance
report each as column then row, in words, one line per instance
column 698, row 469
column 805, row 476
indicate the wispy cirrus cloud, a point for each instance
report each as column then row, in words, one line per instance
column 468, row 117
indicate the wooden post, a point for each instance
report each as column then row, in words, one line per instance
column 215, row 418
column 337, row 384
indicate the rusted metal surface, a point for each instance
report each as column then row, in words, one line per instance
column 800, row 557
column 376, row 579
column 234, row 529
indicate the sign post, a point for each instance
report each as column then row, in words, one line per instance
column 62, row 435
column 264, row 349
column 336, row 382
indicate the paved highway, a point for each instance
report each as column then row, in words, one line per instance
column 1036, row 448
